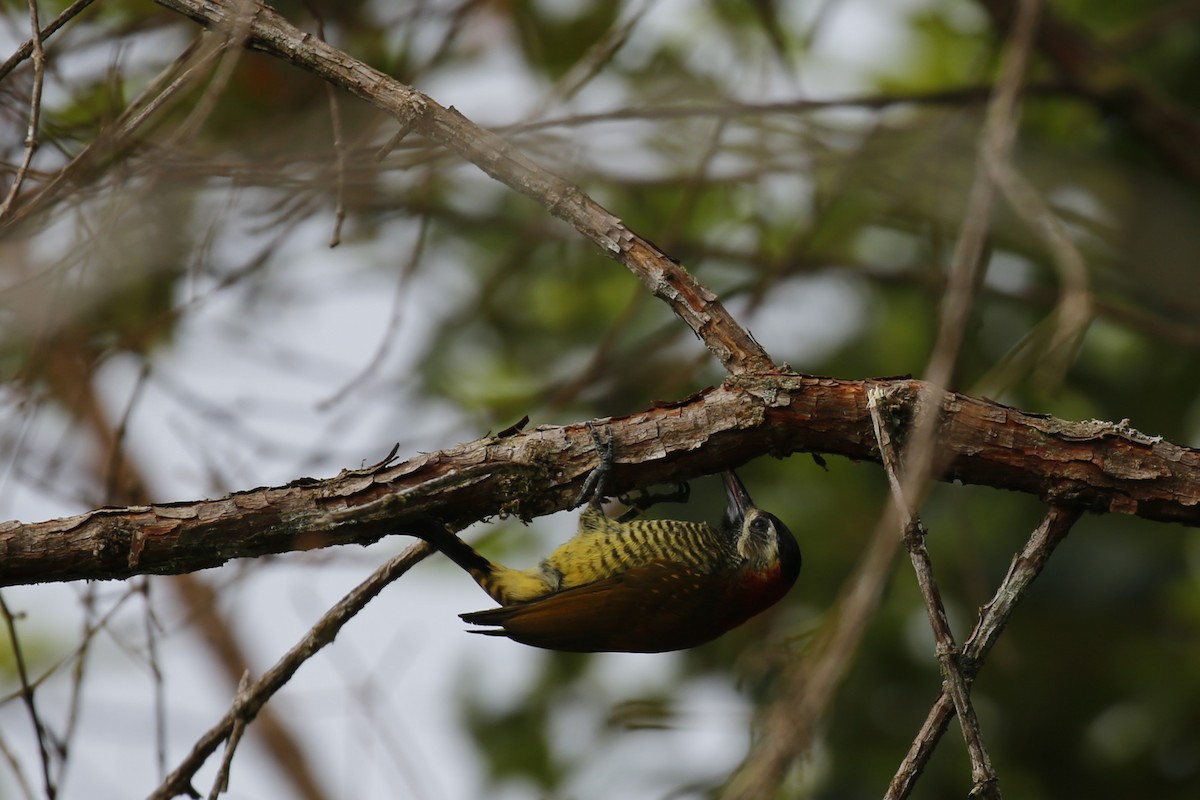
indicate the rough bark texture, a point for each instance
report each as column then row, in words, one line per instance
column 1096, row 466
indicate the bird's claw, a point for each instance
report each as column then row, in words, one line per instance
column 640, row 499
column 595, row 486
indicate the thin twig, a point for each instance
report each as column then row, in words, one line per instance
column 236, row 33
column 982, row 773
column 791, row 723
column 221, row 781
column 152, row 629
column 791, row 719
column 18, row 772
column 733, row 109
column 39, row 728
column 26, row 47
column 87, row 603
column 35, row 112
column 248, row 703
column 597, row 56
column 339, row 139
column 80, row 652
column 403, row 279
column 993, row 618
column 339, row 149
column 71, row 383
column 1074, row 310
column 668, row 280
column 180, row 75
column 117, row 468
column 996, row 140
column 1073, row 313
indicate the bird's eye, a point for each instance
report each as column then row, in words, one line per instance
column 760, row 525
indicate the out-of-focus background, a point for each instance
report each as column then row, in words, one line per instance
column 175, row 325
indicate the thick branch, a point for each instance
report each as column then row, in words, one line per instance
column 697, row 306
column 1096, row 466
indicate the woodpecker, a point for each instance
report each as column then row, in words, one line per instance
column 643, row 586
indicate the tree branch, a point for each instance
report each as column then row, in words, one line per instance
column 1095, row 466
column 954, row 683
column 253, row 695
column 698, row 307
column 1025, row 566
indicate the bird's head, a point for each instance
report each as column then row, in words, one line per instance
column 762, row 540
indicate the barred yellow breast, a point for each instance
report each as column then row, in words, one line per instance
column 638, row 586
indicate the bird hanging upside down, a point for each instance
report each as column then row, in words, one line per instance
column 644, row 586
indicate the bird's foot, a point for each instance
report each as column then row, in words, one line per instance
column 641, row 499
column 597, row 482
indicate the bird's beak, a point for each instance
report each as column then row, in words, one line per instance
column 739, row 501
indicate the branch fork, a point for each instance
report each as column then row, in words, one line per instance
column 913, row 532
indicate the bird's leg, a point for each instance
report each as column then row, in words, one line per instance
column 641, row 499
column 596, row 484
